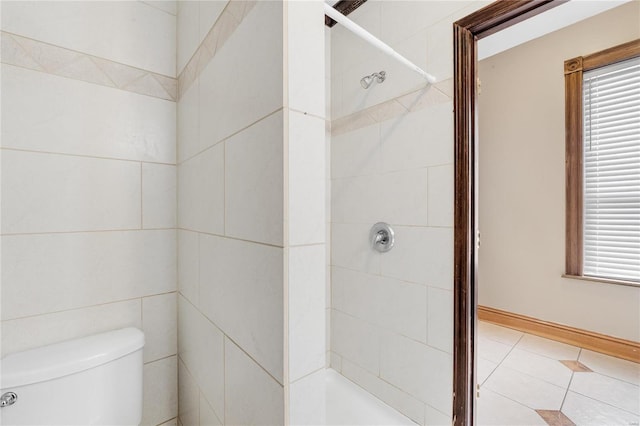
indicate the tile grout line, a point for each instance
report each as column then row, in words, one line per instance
column 96, row 157
column 566, row 392
column 501, row 361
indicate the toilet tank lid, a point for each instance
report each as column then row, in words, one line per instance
column 65, row 358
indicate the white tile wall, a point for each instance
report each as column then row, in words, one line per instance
column 159, row 319
column 188, row 396
column 208, row 417
column 440, row 319
column 40, row 330
column 418, row 370
column 160, row 393
column 54, row 272
column 208, row 13
column 120, row 31
column 415, row 244
column 307, row 306
column 394, row 163
column 365, row 350
column 85, row 169
column 307, row 180
column 241, row 292
column 390, row 304
column 188, row 32
column 158, row 196
column 188, row 261
column 200, row 347
column 58, row 193
column 305, row 58
column 254, row 182
column 247, row 72
column 53, row 114
column 252, row 396
column 187, row 125
column 201, row 192
column 169, row 6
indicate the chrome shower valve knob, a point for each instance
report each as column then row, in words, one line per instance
column 382, row 237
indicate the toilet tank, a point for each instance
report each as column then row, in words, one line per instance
column 95, row 380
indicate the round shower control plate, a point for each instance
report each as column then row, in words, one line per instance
column 382, row 237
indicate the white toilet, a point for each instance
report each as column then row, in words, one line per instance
column 96, row 380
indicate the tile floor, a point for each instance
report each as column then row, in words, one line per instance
column 529, row 380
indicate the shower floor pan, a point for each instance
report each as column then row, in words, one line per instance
column 342, row 403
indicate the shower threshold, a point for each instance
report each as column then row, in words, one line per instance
column 328, row 398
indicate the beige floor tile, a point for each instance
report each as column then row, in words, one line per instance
column 585, row 411
column 615, row 392
column 612, row 367
column 548, row 348
column 495, row 409
column 498, row 333
column 527, row 390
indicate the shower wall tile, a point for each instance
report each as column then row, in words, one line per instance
column 440, row 319
column 188, row 396
column 131, row 33
column 307, row 339
column 57, row 193
column 404, row 18
column 397, row 198
column 440, row 191
column 34, row 331
column 390, row 304
column 201, row 192
column 254, row 182
column 365, row 350
column 201, row 349
column 158, row 196
column 209, row 11
column 418, row 370
column 418, row 139
column 307, row 179
column 421, row 255
column 252, row 396
column 208, row 417
column 160, row 401
column 169, row 6
column 45, row 111
column 241, row 292
column 305, row 67
column 187, row 32
column 247, row 73
column 159, row 319
column 188, row 261
column 55, row 272
column 187, row 126
column 351, row 249
column 401, row 401
column 356, row 153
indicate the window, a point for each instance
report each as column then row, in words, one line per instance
column 602, row 121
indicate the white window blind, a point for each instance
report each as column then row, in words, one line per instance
column 611, row 210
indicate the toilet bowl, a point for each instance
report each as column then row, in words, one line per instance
column 95, row 380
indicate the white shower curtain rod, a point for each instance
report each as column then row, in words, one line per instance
column 371, row 39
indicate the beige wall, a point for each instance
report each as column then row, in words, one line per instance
column 522, row 202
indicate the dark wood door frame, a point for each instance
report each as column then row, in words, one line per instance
column 466, row 33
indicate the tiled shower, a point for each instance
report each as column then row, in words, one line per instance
column 208, row 171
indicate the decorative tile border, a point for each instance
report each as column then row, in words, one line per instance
column 431, row 95
column 36, row 55
column 230, row 18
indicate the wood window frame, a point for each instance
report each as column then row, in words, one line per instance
column 573, row 77
column 466, row 32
